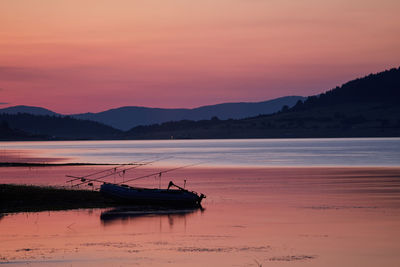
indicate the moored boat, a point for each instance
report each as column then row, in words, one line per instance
column 166, row 197
column 174, row 195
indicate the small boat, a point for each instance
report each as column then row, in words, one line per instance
column 165, row 197
column 121, row 192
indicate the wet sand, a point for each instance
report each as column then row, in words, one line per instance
column 252, row 217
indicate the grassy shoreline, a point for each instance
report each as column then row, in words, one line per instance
column 30, row 198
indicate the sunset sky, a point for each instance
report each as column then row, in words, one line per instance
column 89, row 56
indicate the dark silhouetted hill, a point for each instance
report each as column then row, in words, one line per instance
column 383, row 87
column 365, row 107
column 29, row 110
column 125, row 118
column 55, row 127
column 8, row 133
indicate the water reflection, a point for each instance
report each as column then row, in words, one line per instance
column 130, row 215
column 227, row 153
column 275, row 216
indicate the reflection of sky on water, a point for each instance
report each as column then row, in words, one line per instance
column 257, row 152
column 278, row 216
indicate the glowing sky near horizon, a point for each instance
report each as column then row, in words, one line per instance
column 80, row 56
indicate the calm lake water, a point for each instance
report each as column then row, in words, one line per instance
column 221, row 153
column 303, row 202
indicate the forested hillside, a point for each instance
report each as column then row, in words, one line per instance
column 56, row 127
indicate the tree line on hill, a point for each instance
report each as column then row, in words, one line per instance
column 365, row 107
column 23, row 126
column 360, row 108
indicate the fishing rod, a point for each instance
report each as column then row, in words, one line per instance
column 159, row 173
column 114, row 168
column 88, row 175
column 118, row 172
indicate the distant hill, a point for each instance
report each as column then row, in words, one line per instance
column 383, row 87
column 23, row 126
column 365, row 107
column 8, row 133
column 28, row 109
column 125, row 118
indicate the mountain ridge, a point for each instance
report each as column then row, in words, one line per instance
column 29, row 110
column 364, row 107
column 124, row 118
column 46, row 127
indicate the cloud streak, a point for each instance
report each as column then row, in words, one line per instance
column 21, row 74
column 76, row 58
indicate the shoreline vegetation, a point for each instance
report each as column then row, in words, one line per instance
column 32, row 198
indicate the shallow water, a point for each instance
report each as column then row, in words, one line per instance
column 267, row 216
column 255, row 213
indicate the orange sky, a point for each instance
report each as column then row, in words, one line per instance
column 79, row 56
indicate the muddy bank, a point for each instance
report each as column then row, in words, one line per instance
column 24, row 198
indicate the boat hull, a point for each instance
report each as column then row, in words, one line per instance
column 146, row 196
